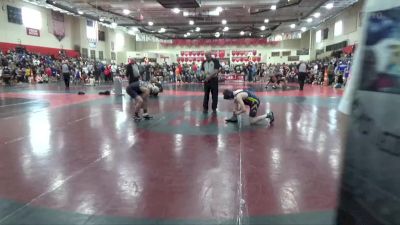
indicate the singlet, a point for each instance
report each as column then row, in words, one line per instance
column 251, row 98
column 144, row 84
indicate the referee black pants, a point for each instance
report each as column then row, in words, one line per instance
column 211, row 86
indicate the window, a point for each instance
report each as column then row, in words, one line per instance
column 101, row 57
column 102, row 35
column 92, row 30
column 318, row 36
column 274, row 54
column 286, row 53
column 119, row 42
column 84, row 53
column 338, row 28
column 113, row 56
column 93, row 54
column 325, row 34
column 31, row 18
column 14, row 15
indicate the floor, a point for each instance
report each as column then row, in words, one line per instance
column 81, row 159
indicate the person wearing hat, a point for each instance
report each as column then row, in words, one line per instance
column 241, row 99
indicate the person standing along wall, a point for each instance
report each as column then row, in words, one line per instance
column 211, row 68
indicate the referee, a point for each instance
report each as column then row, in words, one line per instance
column 210, row 67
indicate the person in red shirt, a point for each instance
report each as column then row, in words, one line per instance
column 194, row 68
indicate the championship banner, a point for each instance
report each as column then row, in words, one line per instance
column 370, row 187
column 58, row 25
column 220, row 42
column 92, row 32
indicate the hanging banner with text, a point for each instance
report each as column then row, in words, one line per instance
column 33, row 32
column 220, row 42
column 58, row 25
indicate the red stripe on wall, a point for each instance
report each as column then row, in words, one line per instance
column 38, row 49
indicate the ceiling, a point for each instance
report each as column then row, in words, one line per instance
column 241, row 15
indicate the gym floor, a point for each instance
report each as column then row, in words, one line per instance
column 81, row 159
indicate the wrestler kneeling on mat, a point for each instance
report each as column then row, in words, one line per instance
column 140, row 91
column 241, row 99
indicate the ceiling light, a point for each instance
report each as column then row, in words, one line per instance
column 197, row 29
column 150, row 23
column 226, row 29
column 242, row 33
column 317, row 15
column 273, row 7
column 292, row 25
column 219, row 9
column 249, row 34
column 191, row 22
column 185, row 13
column 131, row 32
column 80, row 12
column 188, row 34
column 329, row 5
column 266, row 21
column 162, row 30
column 303, row 29
column 185, row 35
column 262, row 28
column 126, row 11
column 176, row 10
column 114, row 24
column 309, row 20
column 223, row 22
column 217, row 34
column 262, row 35
column 101, row 19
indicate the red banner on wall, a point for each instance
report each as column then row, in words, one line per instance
column 349, row 49
column 58, row 25
column 220, row 42
column 33, row 32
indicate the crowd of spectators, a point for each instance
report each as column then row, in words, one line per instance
column 26, row 67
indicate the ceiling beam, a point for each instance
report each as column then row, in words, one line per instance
column 279, row 6
column 233, row 23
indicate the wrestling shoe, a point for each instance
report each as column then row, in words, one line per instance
column 233, row 119
column 147, row 117
column 271, row 117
